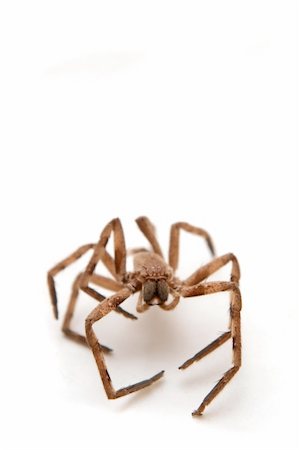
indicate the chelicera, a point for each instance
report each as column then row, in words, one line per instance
column 156, row 281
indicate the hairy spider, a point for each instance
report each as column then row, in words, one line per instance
column 155, row 279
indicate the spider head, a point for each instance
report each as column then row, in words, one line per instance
column 155, row 291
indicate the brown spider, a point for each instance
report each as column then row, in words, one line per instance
column 155, row 279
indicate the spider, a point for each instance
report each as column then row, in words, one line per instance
column 154, row 278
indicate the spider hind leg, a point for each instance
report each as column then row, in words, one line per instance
column 234, row 333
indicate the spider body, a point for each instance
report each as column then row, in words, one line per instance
column 155, row 280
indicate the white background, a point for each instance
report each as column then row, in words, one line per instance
column 175, row 110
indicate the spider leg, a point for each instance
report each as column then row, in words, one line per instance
column 77, row 337
column 148, row 229
column 112, row 285
column 133, row 251
column 100, row 251
column 117, row 266
column 175, row 238
column 107, row 261
column 206, row 350
column 61, row 266
column 208, row 269
column 212, row 267
column 98, row 313
column 235, row 333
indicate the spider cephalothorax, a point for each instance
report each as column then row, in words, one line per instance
column 154, row 278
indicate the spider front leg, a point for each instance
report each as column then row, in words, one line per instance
column 235, row 333
column 98, row 313
column 208, row 269
column 66, row 326
column 174, row 241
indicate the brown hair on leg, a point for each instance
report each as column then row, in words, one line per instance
column 174, row 241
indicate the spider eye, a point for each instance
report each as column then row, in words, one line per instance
column 149, row 290
column 163, row 290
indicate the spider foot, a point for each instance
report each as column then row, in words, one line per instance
column 126, row 313
column 198, row 412
column 106, row 349
column 137, row 386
